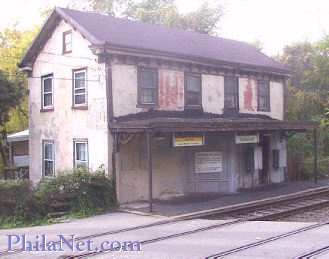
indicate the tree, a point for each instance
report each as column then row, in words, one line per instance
column 165, row 12
column 13, row 88
column 308, row 97
column 11, row 94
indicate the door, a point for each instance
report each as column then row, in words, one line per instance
column 264, row 173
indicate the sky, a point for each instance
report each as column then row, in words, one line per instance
column 274, row 23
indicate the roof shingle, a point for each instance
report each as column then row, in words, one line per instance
column 139, row 35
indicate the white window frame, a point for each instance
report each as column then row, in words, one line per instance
column 44, row 159
column 79, row 162
column 43, row 79
column 67, row 35
column 83, row 70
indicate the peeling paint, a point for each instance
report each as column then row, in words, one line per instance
column 248, row 96
column 171, row 90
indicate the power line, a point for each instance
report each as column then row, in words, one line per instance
column 47, row 53
column 55, row 78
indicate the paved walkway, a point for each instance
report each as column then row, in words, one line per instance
column 198, row 202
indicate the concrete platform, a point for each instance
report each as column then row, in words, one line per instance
column 198, row 202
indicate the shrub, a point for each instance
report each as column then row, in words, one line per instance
column 17, row 200
column 77, row 191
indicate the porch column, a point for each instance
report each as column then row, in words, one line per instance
column 150, row 167
column 315, row 146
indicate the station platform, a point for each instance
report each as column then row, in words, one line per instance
column 193, row 203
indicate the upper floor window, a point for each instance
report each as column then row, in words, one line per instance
column 67, row 42
column 263, row 95
column 193, row 95
column 81, row 153
column 147, row 86
column 47, row 92
column 231, row 93
column 80, row 87
column 48, row 158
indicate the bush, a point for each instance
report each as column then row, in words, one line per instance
column 17, row 200
column 76, row 191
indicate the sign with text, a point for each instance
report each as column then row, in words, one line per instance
column 188, row 140
column 208, row 162
column 247, row 139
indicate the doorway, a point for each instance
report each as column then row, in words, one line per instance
column 264, row 173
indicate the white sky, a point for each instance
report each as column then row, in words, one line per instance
column 275, row 23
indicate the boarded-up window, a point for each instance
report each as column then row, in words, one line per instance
column 263, row 95
column 147, row 86
column 192, row 90
column 231, row 93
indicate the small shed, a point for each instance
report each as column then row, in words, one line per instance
column 19, row 155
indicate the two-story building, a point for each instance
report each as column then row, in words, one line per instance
column 165, row 112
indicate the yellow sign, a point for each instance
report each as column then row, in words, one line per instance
column 188, row 140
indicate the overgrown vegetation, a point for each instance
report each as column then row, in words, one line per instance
column 80, row 193
column 308, row 99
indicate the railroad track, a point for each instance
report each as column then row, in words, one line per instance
column 265, row 241
column 258, row 211
column 314, row 253
column 270, row 211
column 278, row 209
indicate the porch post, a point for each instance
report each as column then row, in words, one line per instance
column 11, row 155
column 315, row 145
column 114, row 164
column 150, row 167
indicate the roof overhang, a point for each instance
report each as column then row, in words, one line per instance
column 210, row 125
column 18, row 136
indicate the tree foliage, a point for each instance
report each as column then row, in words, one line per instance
column 308, row 97
column 13, row 85
column 11, row 94
column 165, row 12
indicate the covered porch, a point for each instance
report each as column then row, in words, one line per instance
column 161, row 157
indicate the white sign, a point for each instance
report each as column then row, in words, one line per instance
column 247, row 139
column 208, row 162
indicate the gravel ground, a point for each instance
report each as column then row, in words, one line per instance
column 319, row 215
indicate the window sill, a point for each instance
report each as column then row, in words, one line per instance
column 82, row 108
column 47, row 110
column 193, row 107
column 147, row 105
column 263, row 110
column 67, row 52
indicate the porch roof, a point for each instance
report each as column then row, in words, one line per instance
column 202, row 122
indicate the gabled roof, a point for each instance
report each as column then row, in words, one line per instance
column 105, row 30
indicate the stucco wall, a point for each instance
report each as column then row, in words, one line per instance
column 248, row 98
column 171, row 92
column 169, row 170
column 124, row 89
column 64, row 124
